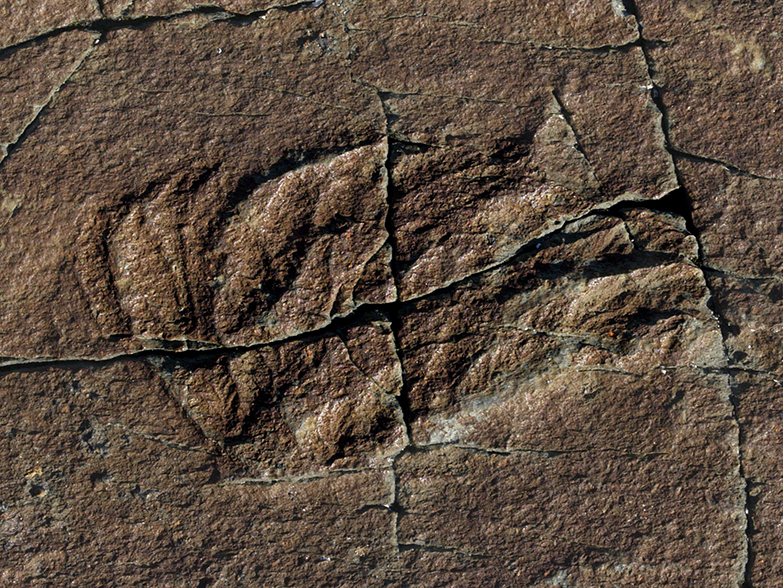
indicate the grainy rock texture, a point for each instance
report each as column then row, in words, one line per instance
column 364, row 293
column 739, row 218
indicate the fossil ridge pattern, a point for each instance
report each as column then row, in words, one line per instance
column 362, row 293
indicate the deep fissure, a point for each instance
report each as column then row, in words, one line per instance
column 678, row 202
column 206, row 349
column 105, row 25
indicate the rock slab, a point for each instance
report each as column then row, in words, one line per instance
column 345, row 293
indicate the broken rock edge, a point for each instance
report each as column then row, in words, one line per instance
column 746, row 556
column 9, row 363
column 105, row 24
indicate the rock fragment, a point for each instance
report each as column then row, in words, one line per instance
column 714, row 67
column 663, row 232
column 496, row 143
column 759, row 403
column 738, row 219
column 753, row 317
column 572, row 386
column 493, row 360
column 30, row 76
column 588, row 25
column 171, row 163
column 21, row 21
column 109, row 477
column 299, row 407
column 586, row 517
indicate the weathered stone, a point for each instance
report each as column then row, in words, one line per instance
column 663, row 232
column 611, row 518
column 667, row 20
column 29, row 76
column 560, row 331
column 765, row 535
column 299, row 407
column 147, row 267
column 363, row 293
column 471, row 91
column 291, row 257
column 108, row 480
column 739, row 218
column 20, row 21
column 753, row 316
column 586, row 25
column 483, row 164
column 458, row 211
column 716, row 73
column 759, row 407
column 161, row 229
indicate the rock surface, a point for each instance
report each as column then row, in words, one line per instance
column 739, row 219
column 345, row 293
column 715, row 65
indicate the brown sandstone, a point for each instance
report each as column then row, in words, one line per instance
column 390, row 294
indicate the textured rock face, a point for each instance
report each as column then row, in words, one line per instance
column 390, row 294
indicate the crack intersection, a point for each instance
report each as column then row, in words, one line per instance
column 676, row 202
column 208, row 348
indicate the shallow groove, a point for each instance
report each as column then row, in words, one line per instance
column 33, row 124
